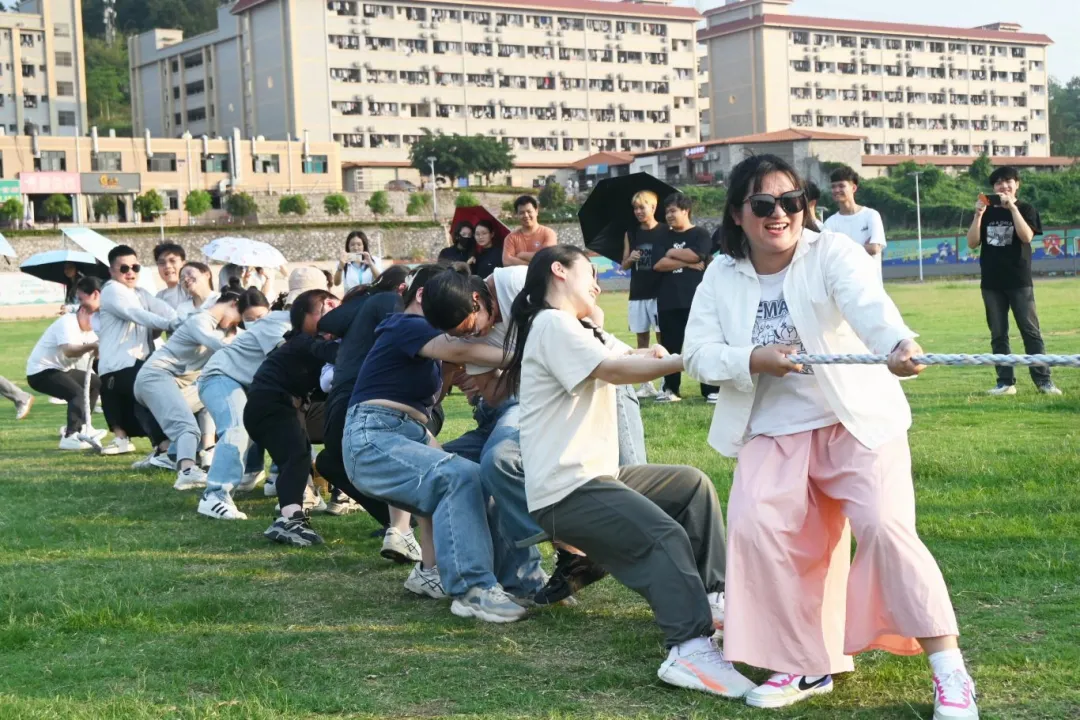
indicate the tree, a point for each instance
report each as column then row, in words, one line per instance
column 465, row 199
column 12, row 210
column 553, row 196
column 292, row 205
column 198, row 202
column 419, row 203
column 379, row 203
column 460, row 155
column 108, row 93
column 241, row 206
column 336, row 204
column 105, row 206
column 981, row 169
column 1065, row 118
column 57, row 207
column 149, row 204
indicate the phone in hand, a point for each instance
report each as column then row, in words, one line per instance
column 991, row 199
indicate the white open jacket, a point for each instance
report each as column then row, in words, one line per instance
column 837, row 304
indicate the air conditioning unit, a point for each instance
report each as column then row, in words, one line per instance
column 357, row 65
column 366, row 21
column 354, row 21
column 371, row 128
column 359, row 128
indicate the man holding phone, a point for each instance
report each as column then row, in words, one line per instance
column 1003, row 228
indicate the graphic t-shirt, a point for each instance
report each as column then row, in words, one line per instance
column 864, row 227
column 644, row 281
column 1005, row 260
column 795, row 402
column 676, row 289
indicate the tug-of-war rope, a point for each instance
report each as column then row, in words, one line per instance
column 938, row 359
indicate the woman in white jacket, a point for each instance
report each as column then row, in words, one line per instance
column 817, row 448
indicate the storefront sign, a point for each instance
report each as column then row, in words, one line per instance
column 110, row 183
column 694, row 151
column 49, row 183
column 9, row 189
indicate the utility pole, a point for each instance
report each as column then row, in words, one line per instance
column 918, row 220
column 434, row 189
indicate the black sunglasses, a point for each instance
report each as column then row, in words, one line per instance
column 792, row 203
column 125, row 269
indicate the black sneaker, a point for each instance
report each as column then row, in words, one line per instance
column 572, row 573
column 295, row 530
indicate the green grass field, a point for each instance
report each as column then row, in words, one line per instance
column 118, row 601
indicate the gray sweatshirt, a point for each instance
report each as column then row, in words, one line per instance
column 127, row 318
column 189, row 347
column 243, row 357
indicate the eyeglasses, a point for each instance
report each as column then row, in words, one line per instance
column 792, row 203
column 125, row 269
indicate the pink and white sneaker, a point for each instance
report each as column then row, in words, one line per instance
column 783, row 689
column 954, row 697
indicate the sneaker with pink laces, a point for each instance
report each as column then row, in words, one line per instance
column 954, row 697
column 783, row 689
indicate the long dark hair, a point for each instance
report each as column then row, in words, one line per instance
column 448, row 298
column 304, row 303
column 252, row 297
column 421, row 274
column 466, row 244
column 391, row 278
column 745, row 180
column 529, row 302
column 491, row 229
column 357, row 234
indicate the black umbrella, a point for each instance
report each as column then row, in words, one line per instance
column 607, row 214
column 49, row 265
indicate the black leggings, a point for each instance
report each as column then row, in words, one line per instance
column 123, row 411
column 273, row 422
column 672, row 332
column 67, row 385
column 330, row 464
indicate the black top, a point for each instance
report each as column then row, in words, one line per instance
column 355, row 323
column 454, row 254
column 1006, row 262
column 677, row 288
column 643, row 279
column 294, row 366
column 487, row 261
column 394, row 368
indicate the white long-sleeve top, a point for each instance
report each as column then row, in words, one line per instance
column 838, row 306
column 127, row 318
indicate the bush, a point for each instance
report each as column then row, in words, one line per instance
column 708, row 201
column 336, row 204
column 241, row 205
column 292, row 205
column 57, row 207
column 419, row 203
column 105, row 206
column 379, row 203
column 465, row 199
column 149, row 203
column 553, row 196
column 198, row 202
column 12, row 210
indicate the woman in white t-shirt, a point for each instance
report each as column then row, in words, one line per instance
column 657, row 529
column 357, row 266
column 817, row 448
column 61, row 359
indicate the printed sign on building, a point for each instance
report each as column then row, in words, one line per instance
column 110, row 183
column 49, row 183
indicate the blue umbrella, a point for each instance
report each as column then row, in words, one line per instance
column 49, row 265
column 5, row 247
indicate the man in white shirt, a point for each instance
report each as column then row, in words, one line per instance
column 170, row 259
column 128, row 317
column 861, row 224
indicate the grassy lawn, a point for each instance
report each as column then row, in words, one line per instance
column 118, row 601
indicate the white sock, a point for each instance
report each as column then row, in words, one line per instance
column 700, row 644
column 945, row 662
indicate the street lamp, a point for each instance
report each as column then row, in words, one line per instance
column 434, row 189
column 918, row 219
column 161, row 215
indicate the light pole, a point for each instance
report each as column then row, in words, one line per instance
column 918, row 219
column 434, row 189
column 161, row 216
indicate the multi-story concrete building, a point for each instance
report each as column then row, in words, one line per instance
column 554, row 79
column 42, row 76
column 911, row 90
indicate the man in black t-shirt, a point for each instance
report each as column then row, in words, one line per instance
column 639, row 247
column 1003, row 228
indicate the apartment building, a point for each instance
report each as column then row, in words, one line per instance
column 42, row 69
column 554, row 79
column 911, row 90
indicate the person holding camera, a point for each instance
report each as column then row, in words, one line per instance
column 1003, row 229
column 357, row 265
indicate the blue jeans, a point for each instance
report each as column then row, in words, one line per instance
column 387, row 457
column 225, row 399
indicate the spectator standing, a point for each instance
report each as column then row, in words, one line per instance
column 530, row 238
column 639, row 246
column 461, row 245
column 1003, row 229
column 357, row 266
column 861, row 224
column 488, row 256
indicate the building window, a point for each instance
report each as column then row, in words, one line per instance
column 937, row 47
column 800, row 37
column 26, row 40
column 29, row 71
column 161, row 162
column 893, row 44
column 66, row 118
column 316, row 164
column 196, row 114
column 51, row 161
column 194, row 60
column 868, row 43
column 105, row 162
column 65, row 89
column 847, row 41
column 30, row 101
column 194, row 88
column 216, row 162
column 915, row 45
column 63, row 59
column 266, row 164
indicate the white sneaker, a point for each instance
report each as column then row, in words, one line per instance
column 270, row 486
column 646, row 390
column 716, row 605
column 119, row 446
column 98, row 409
column 72, row 442
column 488, row 604
column 954, row 697
column 783, row 689
column 712, row 398
column 700, row 665
column 163, row 461
column 313, row 501
column 400, row 547
column 666, row 396
column 96, row 433
column 22, row 408
column 219, row 508
column 190, row 479
column 250, row 481
column 204, row 458
column 1002, row 389
column 57, row 401
column 425, row 582
column 341, row 504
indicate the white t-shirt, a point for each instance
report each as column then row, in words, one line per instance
column 795, row 402
column 569, row 426
column 864, row 227
column 508, row 284
column 357, row 274
column 47, row 353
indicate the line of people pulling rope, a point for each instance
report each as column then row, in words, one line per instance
column 558, row 453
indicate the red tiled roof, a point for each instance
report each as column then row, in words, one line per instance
column 802, row 21
column 789, row 135
column 600, row 7
column 604, row 158
column 964, row 161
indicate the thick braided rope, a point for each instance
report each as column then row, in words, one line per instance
column 937, row 359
